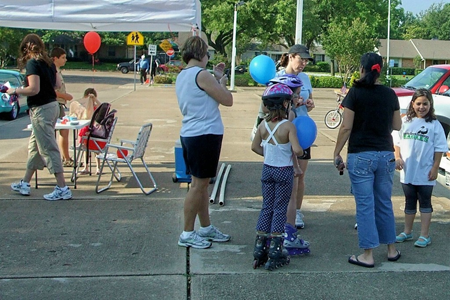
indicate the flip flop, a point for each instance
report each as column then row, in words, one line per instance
column 359, row 263
column 395, row 258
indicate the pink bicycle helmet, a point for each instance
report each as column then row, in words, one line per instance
column 276, row 94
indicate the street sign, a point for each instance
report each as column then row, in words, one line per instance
column 135, row 38
column 151, row 49
column 165, row 45
column 170, row 52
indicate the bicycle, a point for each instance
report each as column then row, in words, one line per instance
column 333, row 118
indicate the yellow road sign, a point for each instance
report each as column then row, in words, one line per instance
column 135, row 38
column 165, row 45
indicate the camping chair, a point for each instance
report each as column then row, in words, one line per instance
column 89, row 145
column 126, row 155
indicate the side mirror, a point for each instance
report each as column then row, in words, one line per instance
column 443, row 89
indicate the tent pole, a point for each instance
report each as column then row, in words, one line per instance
column 134, row 69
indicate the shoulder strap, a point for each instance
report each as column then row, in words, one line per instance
column 271, row 132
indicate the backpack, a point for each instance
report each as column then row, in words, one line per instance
column 100, row 126
column 102, row 121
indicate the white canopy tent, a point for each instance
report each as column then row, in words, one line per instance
column 102, row 15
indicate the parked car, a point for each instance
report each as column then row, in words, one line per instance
column 126, row 67
column 436, row 78
column 11, row 107
column 165, row 67
column 237, row 70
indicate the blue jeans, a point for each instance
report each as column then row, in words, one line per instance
column 371, row 174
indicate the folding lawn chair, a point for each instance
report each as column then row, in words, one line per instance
column 94, row 145
column 126, row 155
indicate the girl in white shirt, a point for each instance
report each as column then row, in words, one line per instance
column 419, row 146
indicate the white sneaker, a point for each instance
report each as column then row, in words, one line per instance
column 59, row 194
column 299, row 219
column 213, row 234
column 194, row 241
column 21, row 187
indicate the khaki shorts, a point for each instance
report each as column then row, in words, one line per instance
column 62, row 112
column 42, row 147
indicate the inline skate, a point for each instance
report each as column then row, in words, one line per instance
column 278, row 256
column 292, row 243
column 261, row 250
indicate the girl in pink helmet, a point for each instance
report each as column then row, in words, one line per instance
column 275, row 139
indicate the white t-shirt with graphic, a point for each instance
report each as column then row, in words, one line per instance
column 418, row 141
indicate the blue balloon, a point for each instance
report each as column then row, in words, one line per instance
column 262, row 69
column 306, row 131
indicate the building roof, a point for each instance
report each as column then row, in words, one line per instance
column 427, row 49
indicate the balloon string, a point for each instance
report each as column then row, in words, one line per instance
column 93, row 67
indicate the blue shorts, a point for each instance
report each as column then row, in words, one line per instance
column 201, row 154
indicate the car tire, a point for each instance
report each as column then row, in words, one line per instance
column 124, row 70
column 12, row 115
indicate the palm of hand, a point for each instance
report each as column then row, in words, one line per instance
column 218, row 70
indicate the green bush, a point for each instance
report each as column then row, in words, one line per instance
column 244, row 80
column 326, row 82
column 173, row 69
column 164, row 79
column 355, row 76
column 400, row 71
column 324, row 66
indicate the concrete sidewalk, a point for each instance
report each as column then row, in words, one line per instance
column 122, row 244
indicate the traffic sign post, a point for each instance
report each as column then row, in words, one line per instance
column 151, row 49
column 135, row 38
column 165, row 45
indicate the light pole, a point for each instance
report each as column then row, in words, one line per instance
column 388, row 40
column 233, row 50
column 299, row 22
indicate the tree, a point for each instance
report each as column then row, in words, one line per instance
column 9, row 46
column 346, row 44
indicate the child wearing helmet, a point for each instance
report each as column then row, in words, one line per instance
column 275, row 139
column 292, row 242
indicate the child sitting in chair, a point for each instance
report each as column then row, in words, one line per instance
column 83, row 109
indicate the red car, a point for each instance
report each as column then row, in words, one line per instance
column 435, row 78
column 162, row 68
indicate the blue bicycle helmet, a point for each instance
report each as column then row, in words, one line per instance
column 290, row 80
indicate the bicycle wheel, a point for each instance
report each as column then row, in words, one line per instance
column 333, row 119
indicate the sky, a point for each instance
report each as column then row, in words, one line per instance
column 416, row 6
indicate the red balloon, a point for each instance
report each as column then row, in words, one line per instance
column 92, row 42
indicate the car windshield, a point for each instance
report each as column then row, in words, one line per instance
column 14, row 82
column 425, row 79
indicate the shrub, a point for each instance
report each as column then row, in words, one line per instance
column 355, row 76
column 326, row 82
column 163, row 79
column 402, row 71
column 173, row 69
column 324, row 66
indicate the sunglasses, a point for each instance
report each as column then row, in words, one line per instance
column 208, row 55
